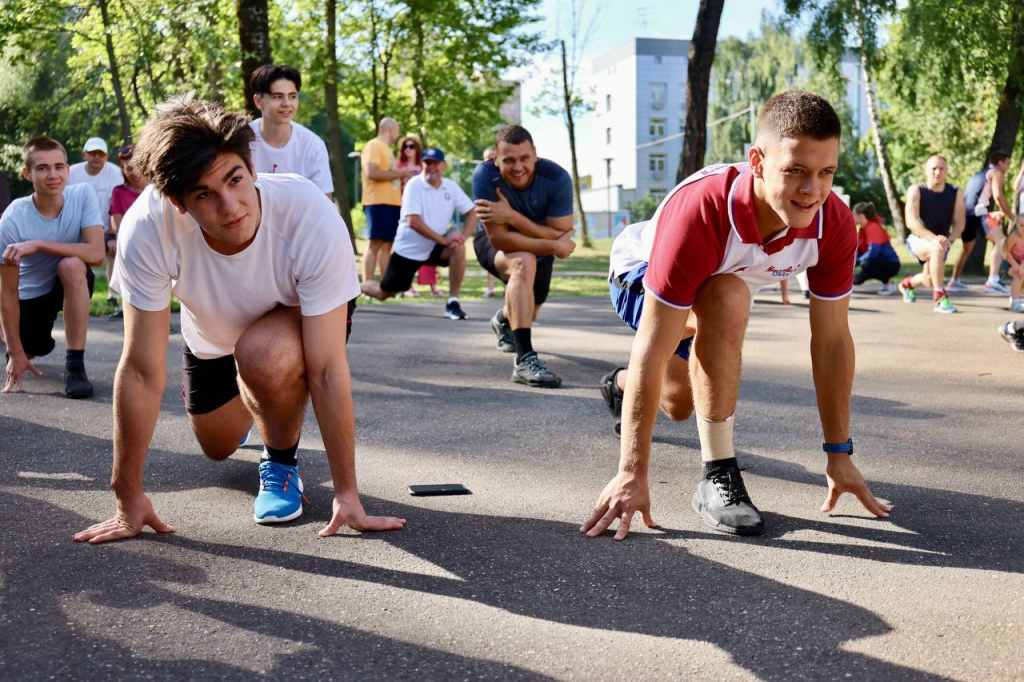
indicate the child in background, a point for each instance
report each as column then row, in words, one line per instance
column 875, row 255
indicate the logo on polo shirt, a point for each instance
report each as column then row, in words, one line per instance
column 787, row 272
column 447, row 196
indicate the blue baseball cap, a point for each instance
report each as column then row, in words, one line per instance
column 433, row 154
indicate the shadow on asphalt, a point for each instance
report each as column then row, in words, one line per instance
column 534, row 567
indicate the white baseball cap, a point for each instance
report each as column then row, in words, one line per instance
column 95, row 144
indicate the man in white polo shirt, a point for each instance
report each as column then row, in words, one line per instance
column 281, row 144
column 716, row 239
column 428, row 204
column 103, row 176
column 263, row 269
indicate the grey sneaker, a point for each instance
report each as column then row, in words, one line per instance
column 612, row 395
column 1014, row 338
column 532, row 372
column 722, row 502
column 503, row 330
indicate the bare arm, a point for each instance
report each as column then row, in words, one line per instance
column 90, row 249
column 421, row 228
column 10, row 319
column 375, row 172
column 998, row 178
column 330, row 388
column 115, row 222
column 138, row 387
column 471, row 223
column 959, row 216
column 661, row 327
column 500, row 212
column 832, row 363
column 508, row 241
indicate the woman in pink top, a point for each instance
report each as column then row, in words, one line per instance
column 121, row 200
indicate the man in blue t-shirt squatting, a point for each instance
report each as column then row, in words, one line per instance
column 48, row 242
column 525, row 207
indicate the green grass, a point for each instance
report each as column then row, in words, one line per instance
column 98, row 304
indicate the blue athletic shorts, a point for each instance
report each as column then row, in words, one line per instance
column 627, row 292
column 382, row 221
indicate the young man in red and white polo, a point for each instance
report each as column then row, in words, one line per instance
column 684, row 281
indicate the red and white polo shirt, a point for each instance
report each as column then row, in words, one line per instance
column 707, row 226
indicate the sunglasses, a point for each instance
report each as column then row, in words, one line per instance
column 410, row 145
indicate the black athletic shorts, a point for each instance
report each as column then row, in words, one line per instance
column 38, row 315
column 485, row 254
column 972, row 228
column 209, row 384
column 401, row 270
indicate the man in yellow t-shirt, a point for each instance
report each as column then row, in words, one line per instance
column 382, row 196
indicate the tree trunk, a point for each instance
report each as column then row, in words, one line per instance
column 339, row 161
column 881, row 153
column 375, row 108
column 1008, row 119
column 122, row 107
column 698, row 77
column 572, row 148
column 419, row 99
column 254, row 37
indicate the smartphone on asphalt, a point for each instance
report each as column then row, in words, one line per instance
column 439, row 489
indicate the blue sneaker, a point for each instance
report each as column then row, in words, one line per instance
column 280, row 496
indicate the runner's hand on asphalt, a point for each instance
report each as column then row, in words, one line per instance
column 16, row 373
column 348, row 511
column 133, row 514
column 843, row 477
column 565, row 245
column 623, row 497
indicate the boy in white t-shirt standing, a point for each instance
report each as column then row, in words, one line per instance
column 281, row 144
column 423, row 237
column 263, row 269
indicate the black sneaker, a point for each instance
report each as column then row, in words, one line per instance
column 76, row 383
column 1014, row 338
column 612, row 395
column 503, row 330
column 532, row 372
column 117, row 314
column 722, row 502
column 453, row 311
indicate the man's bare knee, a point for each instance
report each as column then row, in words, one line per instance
column 218, row 451
column 71, row 272
column 523, row 267
column 677, row 410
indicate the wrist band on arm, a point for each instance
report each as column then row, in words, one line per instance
column 845, row 448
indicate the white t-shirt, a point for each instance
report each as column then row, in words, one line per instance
column 304, row 154
column 301, row 256
column 435, row 207
column 103, row 183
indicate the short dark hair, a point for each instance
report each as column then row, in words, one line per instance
column 40, row 143
column 866, row 209
column 182, row 140
column 798, row 113
column 513, row 134
column 997, row 157
column 268, row 74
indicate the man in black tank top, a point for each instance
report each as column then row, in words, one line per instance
column 935, row 217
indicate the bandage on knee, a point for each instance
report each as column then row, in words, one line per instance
column 715, row 439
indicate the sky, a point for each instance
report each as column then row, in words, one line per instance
column 618, row 21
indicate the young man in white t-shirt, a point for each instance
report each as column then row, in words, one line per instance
column 263, row 269
column 423, row 237
column 281, row 144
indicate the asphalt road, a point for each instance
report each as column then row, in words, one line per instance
column 501, row 584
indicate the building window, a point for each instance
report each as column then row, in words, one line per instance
column 607, row 135
column 656, row 128
column 657, row 59
column 658, row 193
column 659, row 91
column 607, row 102
column 656, row 164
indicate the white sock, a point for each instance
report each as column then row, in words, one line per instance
column 453, row 299
column 993, row 279
column 715, row 439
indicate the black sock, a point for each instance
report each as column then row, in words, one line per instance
column 286, row 456
column 501, row 317
column 75, row 357
column 1018, row 326
column 719, row 464
column 524, row 343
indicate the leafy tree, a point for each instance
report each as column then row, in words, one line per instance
column 698, row 76
column 254, row 38
column 642, row 209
